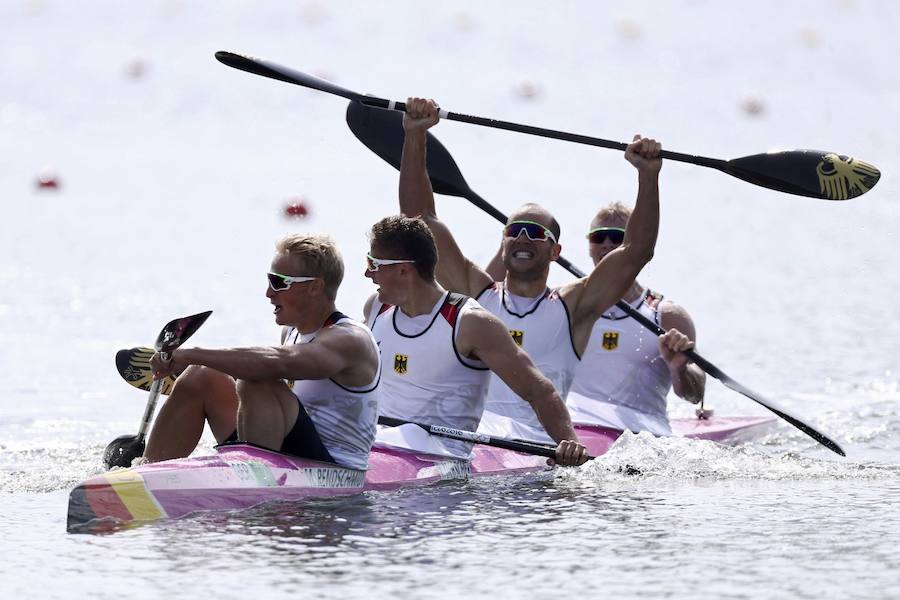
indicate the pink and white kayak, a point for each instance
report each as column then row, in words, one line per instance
column 242, row 475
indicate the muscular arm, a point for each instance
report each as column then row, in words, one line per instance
column 454, row 271
column 588, row 297
column 688, row 380
column 341, row 352
column 485, row 336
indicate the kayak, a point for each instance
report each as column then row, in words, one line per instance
column 240, row 475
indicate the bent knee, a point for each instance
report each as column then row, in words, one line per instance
column 201, row 380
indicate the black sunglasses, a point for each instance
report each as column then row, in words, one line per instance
column 615, row 234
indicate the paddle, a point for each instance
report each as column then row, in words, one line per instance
column 124, row 449
column 134, row 366
column 382, row 132
column 813, row 173
column 478, row 438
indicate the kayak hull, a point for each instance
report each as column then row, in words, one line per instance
column 240, row 476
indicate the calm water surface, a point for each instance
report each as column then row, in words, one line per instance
column 174, row 172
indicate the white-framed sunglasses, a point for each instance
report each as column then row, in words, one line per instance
column 372, row 263
column 280, row 283
column 533, row 230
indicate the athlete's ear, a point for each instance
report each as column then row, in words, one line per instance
column 318, row 285
column 556, row 251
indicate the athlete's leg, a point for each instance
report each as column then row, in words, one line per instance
column 266, row 413
column 200, row 394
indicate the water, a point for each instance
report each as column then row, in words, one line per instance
column 172, row 185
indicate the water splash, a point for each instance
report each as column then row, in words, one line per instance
column 644, row 456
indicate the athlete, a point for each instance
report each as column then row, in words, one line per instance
column 439, row 348
column 314, row 396
column 552, row 325
column 626, row 372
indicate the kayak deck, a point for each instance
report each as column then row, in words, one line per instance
column 240, row 476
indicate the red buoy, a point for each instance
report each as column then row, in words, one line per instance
column 296, row 207
column 48, row 180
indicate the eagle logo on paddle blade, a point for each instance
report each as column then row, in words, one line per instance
column 844, row 177
column 401, row 363
column 610, row 340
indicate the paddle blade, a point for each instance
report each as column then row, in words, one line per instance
column 813, row 173
column 381, row 131
column 177, row 331
column 134, row 367
column 258, row 66
column 122, row 451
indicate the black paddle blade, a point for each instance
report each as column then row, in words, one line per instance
column 813, row 173
column 258, row 66
column 122, row 450
column 381, row 131
column 134, row 366
column 177, row 331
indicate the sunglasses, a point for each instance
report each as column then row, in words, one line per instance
column 615, row 234
column 372, row 263
column 534, row 231
column 279, row 282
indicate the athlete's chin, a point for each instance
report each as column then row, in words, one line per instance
column 384, row 297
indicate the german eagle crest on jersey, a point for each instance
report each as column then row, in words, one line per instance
column 401, row 363
column 610, row 340
column 518, row 336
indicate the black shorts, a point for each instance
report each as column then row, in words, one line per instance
column 302, row 440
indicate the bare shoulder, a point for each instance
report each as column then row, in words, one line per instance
column 478, row 315
column 477, row 324
column 571, row 289
column 675, row 316
column 345, row 338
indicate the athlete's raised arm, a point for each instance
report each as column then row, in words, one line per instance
column 454, row 271
column 588, row 297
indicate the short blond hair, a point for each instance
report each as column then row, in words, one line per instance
column 318, row 256
column 615, row 210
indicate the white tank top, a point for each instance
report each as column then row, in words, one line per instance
column 345, row 417
column 425, row 378
column 622, row 381
column 542, row 328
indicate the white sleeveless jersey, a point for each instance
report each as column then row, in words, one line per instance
column 345, row 417
column 622, row 381
column 542, row 328
column 425, row 378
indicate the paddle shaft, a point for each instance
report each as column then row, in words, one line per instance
column 477, row 438
column 714, row 163
column 155, row 390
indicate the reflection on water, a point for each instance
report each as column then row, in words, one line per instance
column 534, row 533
